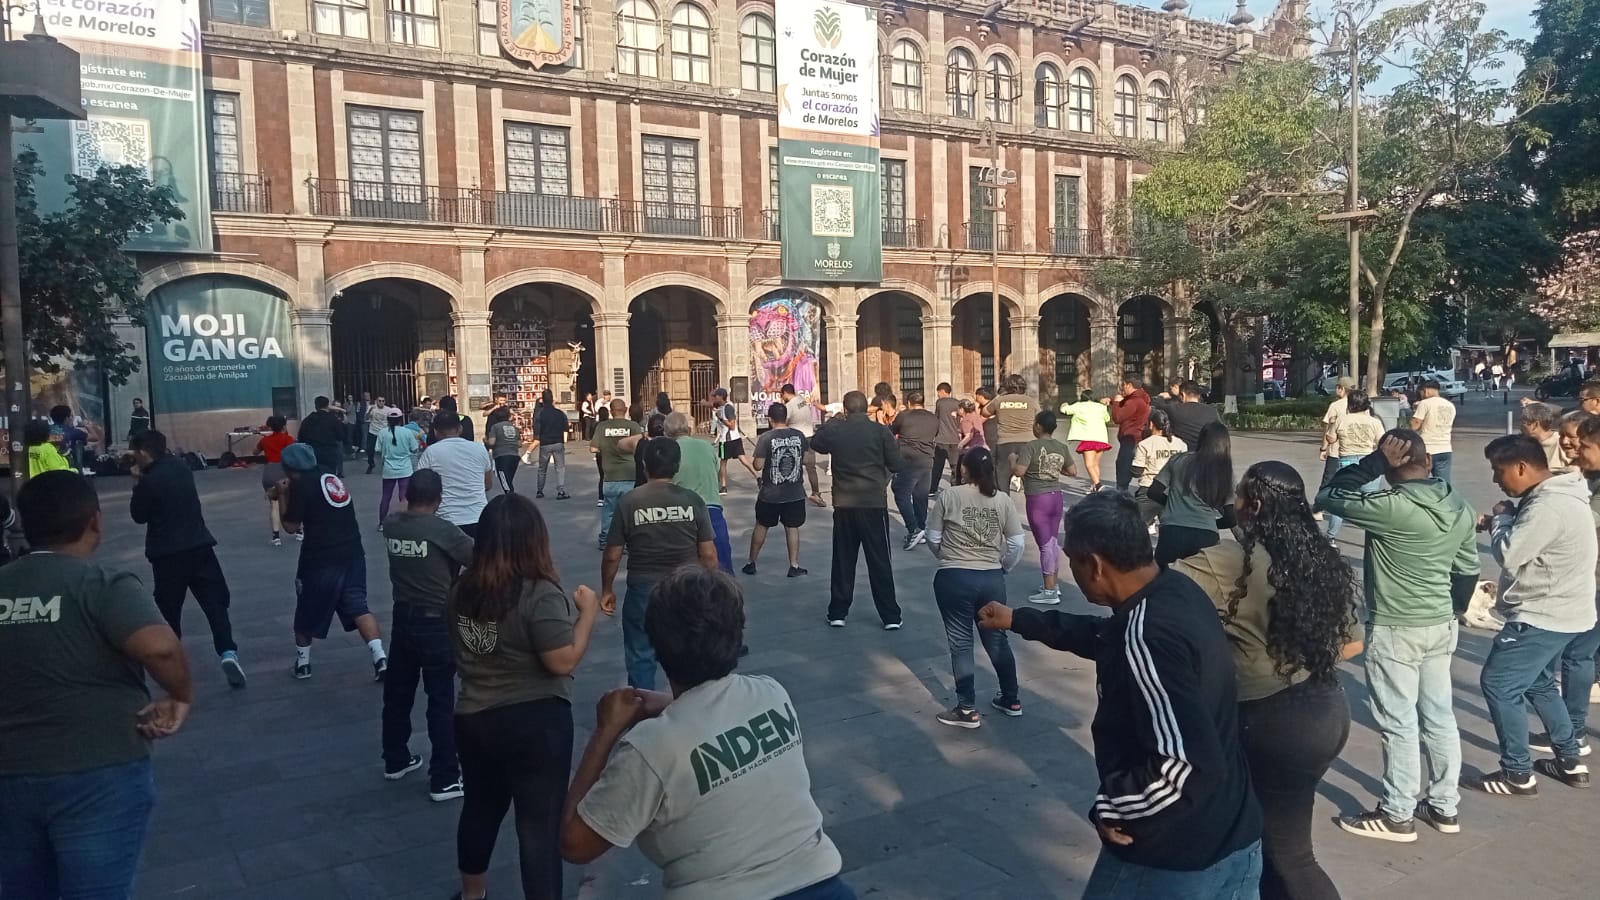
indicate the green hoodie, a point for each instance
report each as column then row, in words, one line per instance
column 1420, row 541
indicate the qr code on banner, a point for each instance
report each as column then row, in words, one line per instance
column 107, row 141
column 833, row 211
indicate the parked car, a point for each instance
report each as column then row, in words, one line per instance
column 1449, row 387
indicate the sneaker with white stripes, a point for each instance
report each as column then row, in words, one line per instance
column 1540, row 743
column 1376, row 824
column 1501, row 783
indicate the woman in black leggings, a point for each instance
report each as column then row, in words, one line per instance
column 1287, row 602
column 1195, row 490
column 517, row 637
column 602, row 415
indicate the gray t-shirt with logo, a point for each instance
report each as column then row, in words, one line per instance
column 1044, row 459
column 425, row 553
column 498, row 659
column 784, row 449
column 974, row 527
column 661, row 526
column 716, row 792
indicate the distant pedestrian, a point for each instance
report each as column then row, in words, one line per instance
column 550, row 443
column 331, row 578
column 1088, row 434
column 1357, row 433
column 180, row 546
column 588, row 414
column 43, row 455
column 377, row 421
column 1175, row 811
column 425, row 555
column 1013, row 412
column 271, row 448
column 726, row 436
column 1434, row 418
column 77, row 641
column 1040, row 466
column 1150, row 458
column 697, row 472
column 947, row 408
column 139, row 419
column 779, row 458
column 1189, row 412
column 616, row 463
column 1130, row 409
column 865, row 457
column 504, row 440
column 803, row 414
column 1195, row 491
column 917, row 433
column 397, row 450
column 326, row 437
column 977, row 536
column 465, row 468
column 1538, row 421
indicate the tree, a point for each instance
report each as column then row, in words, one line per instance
column 1560, row 139
column 77, row 281
column 1570, row 298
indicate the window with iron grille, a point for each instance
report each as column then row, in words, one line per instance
column 758, row 54
column 1069, row 239
column 905, row 76
column 385, row 154
column 671, row 175
column 241, row 12
column 691, row 44
column 638, row 39
column 538, row 159
column 773, row 195
column 908, row 327
column 1125, row 117
column 961, row 83
column 344, row 18
column 980, row 227
column 223, row 130
column 892, row 193
column 1080, row 101
column 414, row 22
column 1049, row 95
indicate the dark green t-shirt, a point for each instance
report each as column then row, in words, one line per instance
column 661, row 526
column 425, row 553
column 615, row 465
column 498, row 660
column 69, row 697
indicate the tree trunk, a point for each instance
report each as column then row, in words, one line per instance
column 1374, row 380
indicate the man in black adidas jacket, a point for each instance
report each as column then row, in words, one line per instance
column 1175, row 811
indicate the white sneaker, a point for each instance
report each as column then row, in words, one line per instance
column 1045, row 598
column 300, row 536
column 836, row 623
column 1594, row 693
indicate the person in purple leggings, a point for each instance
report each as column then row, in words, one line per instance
column 1039, row 464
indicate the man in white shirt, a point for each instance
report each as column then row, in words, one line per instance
column 1432, row 419
column 377, row 421
column 803, row 418
column 466, row 470
column 727, row 437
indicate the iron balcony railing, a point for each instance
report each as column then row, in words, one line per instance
column 896, row 232
column 235, row 192
column 339, row 198
column 985, row 236
column 1074, row 242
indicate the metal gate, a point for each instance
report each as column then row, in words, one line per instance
column 375, row 350
column 702, row 381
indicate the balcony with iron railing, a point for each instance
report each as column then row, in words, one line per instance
column 342, row 199
column 897, row 233
column 236, row 192
column 986, row 236
column 1074, row 242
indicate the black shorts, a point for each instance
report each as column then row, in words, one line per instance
column 791, row 514
column 323, row 589
column 731, row 449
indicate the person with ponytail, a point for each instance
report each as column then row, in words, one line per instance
column 1287, row 602
column 1040, row 465
column 1194, row 490
column 975, row 532
column 398, row 445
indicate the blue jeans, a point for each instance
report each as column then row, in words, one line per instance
column 831, row 889
column 719, row 534
column 1577, row 674
column 639, row 658
column 419, row 650
column 610, row 492
column 1332, row 523
column 960, row 593
column 75, row 836
column 1409, row 687
column 1234, row 877
column 1441, row 466
column 1521, row 669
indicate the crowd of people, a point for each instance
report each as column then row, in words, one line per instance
column 1219, row 702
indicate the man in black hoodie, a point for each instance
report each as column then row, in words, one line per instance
column 1175, row 811
column 864, row 457
column 179, row 546
column 550, row 442
column 327, row 437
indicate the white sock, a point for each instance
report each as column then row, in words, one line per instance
column 302, row 655
column 376, row 646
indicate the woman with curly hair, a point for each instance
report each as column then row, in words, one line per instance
column 1287, row 602
column 1194, row 490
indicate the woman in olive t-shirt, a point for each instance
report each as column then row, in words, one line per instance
column 517, row 640
column 1287, row 602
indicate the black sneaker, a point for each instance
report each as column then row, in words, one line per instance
column 1441, row 823
column 796, row 571
column 380, row 667
column 1376, row 824
column 412, row 764
column 445, row 789
column 749, row 568
column 302, row 671
column 1570, row 772
column 1012, row 708
column 539, row 494
column 960, row 718
column 1540, row 743
column 563, row 495
column 1505, row 784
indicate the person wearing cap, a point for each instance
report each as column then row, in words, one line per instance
column 332, row 575
column 727, row 438
column 1330, row 428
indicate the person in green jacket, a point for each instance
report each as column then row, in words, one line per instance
column 1421, row 561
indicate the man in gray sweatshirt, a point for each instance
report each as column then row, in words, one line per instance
column 1547, row 596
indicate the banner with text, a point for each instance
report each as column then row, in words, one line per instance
column 829, row 209
column 217, row 344
column 785, row 346
column 142, row 86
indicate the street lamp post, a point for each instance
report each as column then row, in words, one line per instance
column 1345, row 24
column 993, row 185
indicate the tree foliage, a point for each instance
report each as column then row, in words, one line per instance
column 1560, row 138
column 77, row 280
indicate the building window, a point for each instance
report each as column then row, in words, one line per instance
column 961, row 83
column 1049, row 95
column 575, row 61
column 1080, row 101
column 385, row 159
column 345, row 18
column 1157, row 111
column 414, row 22
column 892, row 201
column 1125, row 117
column 772, row 180
column 1069, row 237
column 488, row 27
column 671, row 175
column 241, row 12
column 537, row 160
column 226, row 162
column 905, row 76
column 638, row 39
column 691, row 44
column 758, row 54
column 1000, row 91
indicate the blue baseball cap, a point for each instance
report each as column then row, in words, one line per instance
column 299, row 458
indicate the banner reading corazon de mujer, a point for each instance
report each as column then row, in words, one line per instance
column 828, row 180
column 141, row 68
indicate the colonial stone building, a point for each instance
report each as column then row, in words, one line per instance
column 408, row 190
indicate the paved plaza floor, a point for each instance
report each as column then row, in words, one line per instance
column 276, row 792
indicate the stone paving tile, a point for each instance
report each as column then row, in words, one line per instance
column 275, row 792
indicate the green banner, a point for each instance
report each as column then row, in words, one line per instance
column 829, row 209
column 142, row 86
column 217, row 344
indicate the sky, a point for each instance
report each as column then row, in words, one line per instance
column 1515, row 17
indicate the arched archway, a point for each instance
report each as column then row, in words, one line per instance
column 889, row 344
column 972, row 340
column 1141, row 338
column 533, row 328
column 392, row 337
column 1064, row 357
column 672, row 347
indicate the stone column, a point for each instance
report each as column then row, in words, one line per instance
column 472, row 361
column 937, row 360
column 733, row 348
column 1025, row 350
column 313, row 347
column 1105, row 371
column 843, row 372
column 611, row 353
